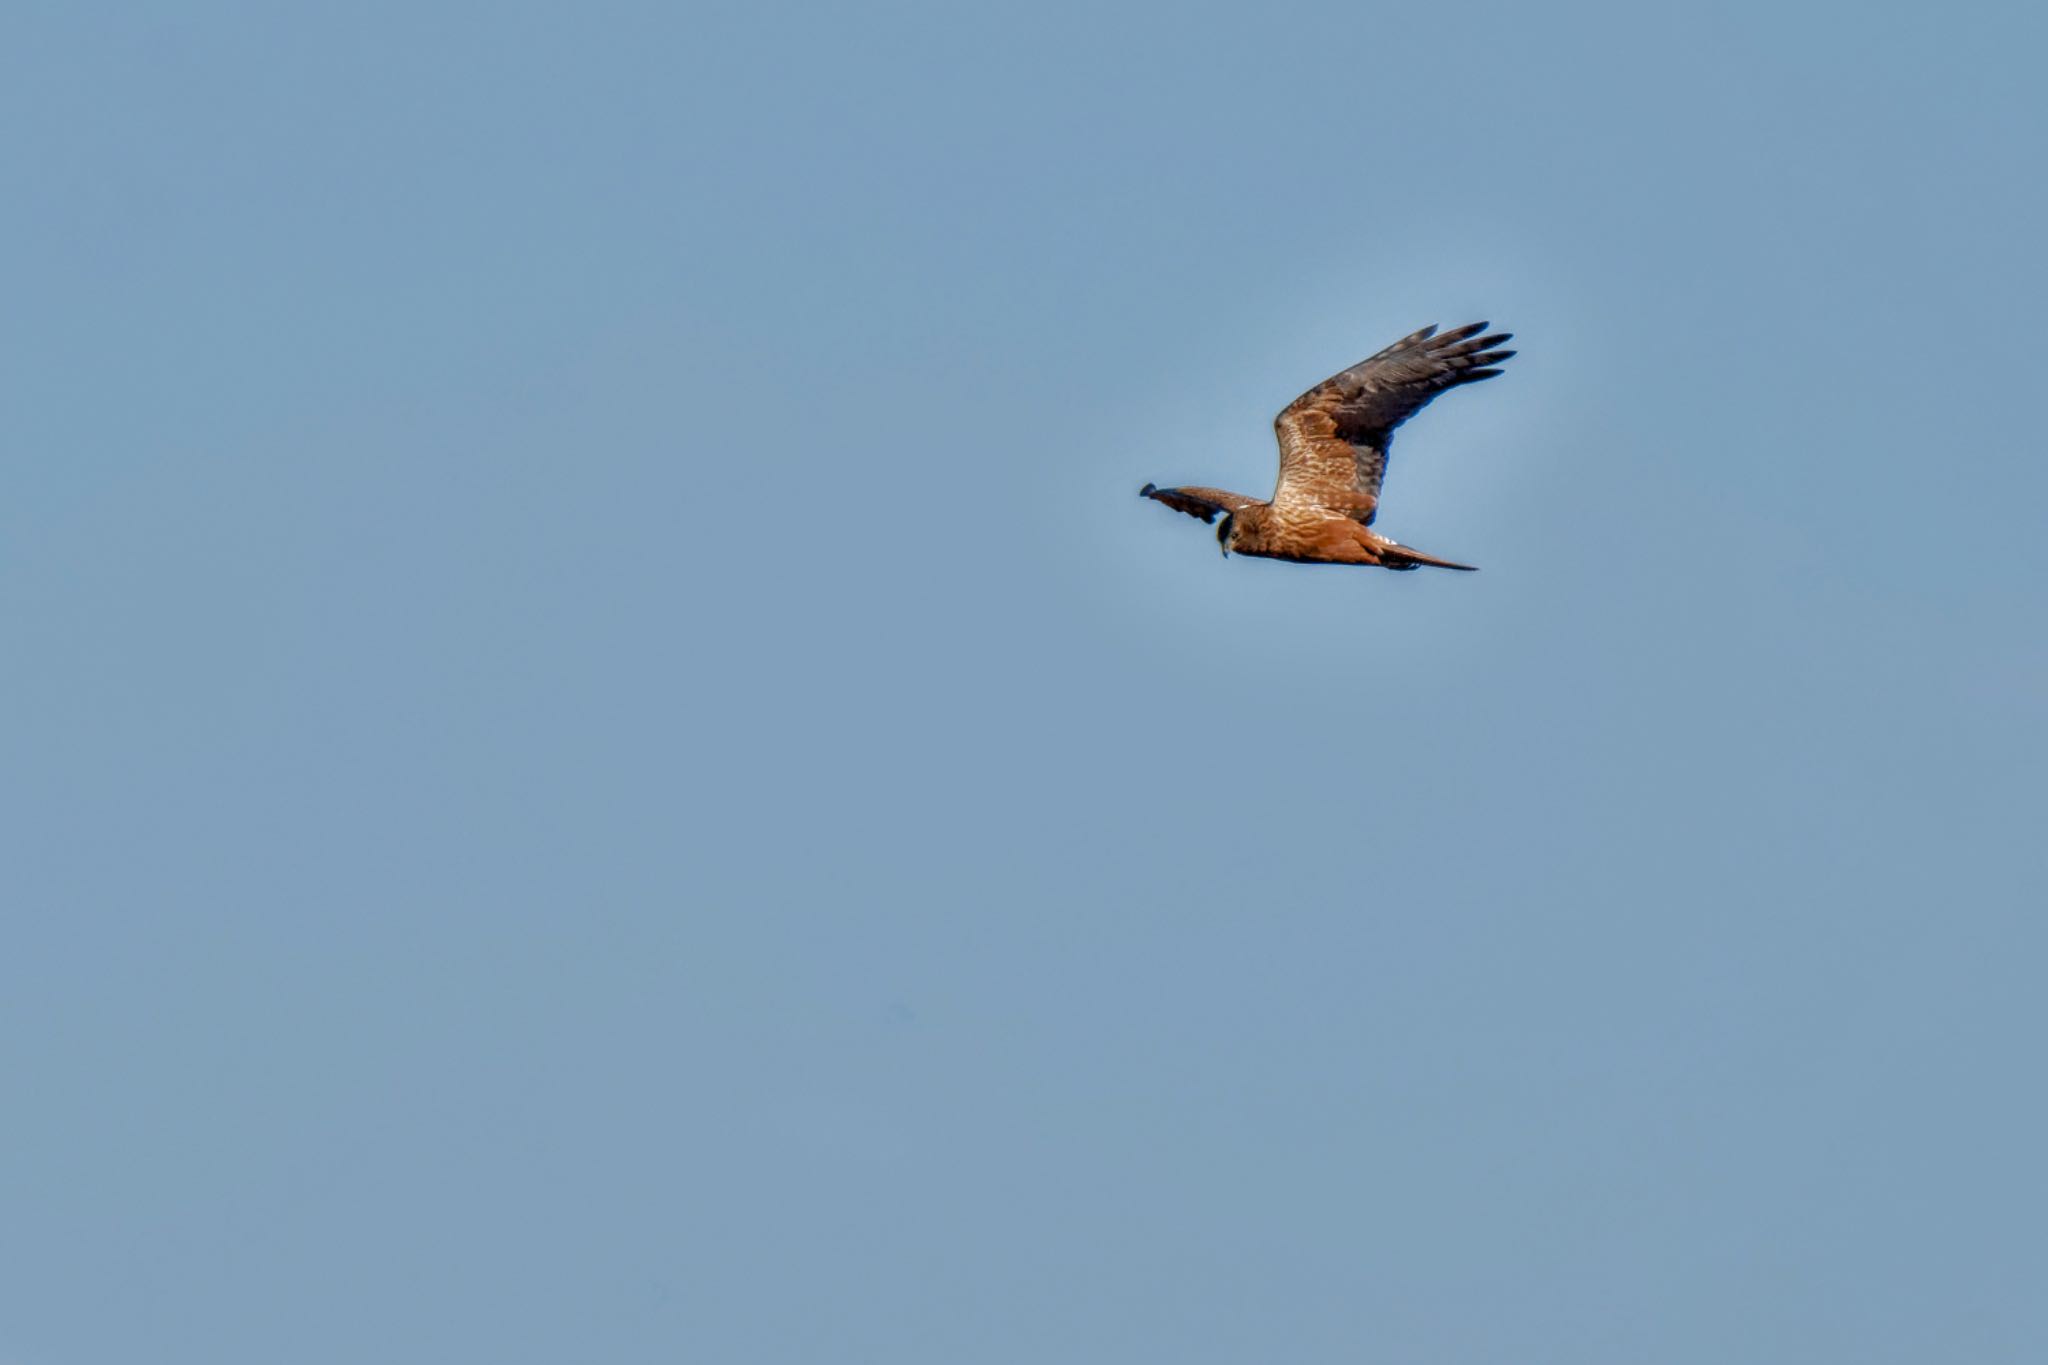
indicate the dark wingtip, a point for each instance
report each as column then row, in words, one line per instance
column 1148, row 490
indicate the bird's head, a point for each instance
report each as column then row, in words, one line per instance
column 1227, row 532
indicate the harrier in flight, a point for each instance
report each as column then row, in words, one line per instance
column 1333, row 454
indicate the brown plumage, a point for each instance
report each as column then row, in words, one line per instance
column 1333, row 456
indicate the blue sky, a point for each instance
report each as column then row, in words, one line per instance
column 603, row 764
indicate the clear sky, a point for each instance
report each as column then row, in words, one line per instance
column 602, row 764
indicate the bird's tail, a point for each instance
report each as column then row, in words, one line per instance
column 1395, row 556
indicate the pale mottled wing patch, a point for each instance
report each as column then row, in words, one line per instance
column 1197, row 502
column 1334, row 438
column 1320, row 468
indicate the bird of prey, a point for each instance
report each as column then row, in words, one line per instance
column 1333, row 454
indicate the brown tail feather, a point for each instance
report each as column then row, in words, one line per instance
column 1401, row 557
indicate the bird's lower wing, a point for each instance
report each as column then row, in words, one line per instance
column 1197, row 502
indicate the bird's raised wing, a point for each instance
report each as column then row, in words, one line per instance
column 1197, row 502
column 1334, row 438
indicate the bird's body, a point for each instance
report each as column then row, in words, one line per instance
column 1333, row 456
